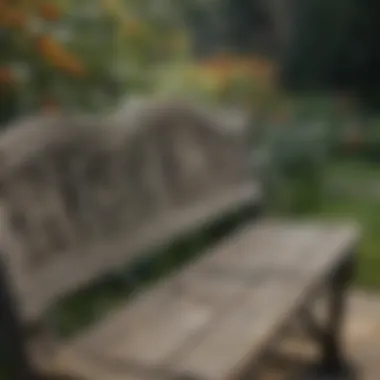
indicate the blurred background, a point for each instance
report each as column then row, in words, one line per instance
column 306, row 72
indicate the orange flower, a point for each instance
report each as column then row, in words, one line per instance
column 73, row 67
column 6, row 76
column 48, row 47
column 57, row 56
column 220, row 63
column 12, row 18
column 3, row 14
column 49, row 11
column 17, row 19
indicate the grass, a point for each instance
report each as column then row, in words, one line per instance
column 364, row 207
column 367, row 213
column 355, row 171
column 350, row 189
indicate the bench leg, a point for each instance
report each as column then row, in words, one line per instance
column 333, row 364
column 14, row 333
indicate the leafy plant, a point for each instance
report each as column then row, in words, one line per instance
column 81, row 55
column 296, row 153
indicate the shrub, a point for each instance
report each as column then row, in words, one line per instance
column 295, row 153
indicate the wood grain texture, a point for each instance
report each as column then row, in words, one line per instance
column 81, row 197
column 211, row 319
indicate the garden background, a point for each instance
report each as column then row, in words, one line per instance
column 306, row 73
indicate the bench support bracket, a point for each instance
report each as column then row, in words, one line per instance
column 333, row 364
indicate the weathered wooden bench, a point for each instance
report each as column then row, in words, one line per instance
column 79, row 200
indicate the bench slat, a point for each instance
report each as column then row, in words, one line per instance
column 245, row 331
column 155, row 327
column 277, row 246
column 85, row 368
column 209, row 322
column 268, row 246
column 239, row 334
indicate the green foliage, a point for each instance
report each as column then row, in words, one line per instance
column 83, row 55
column 363, row 205
column 297, row 152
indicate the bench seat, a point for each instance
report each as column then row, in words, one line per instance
column 214, row 318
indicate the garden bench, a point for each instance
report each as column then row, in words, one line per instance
column 80, row 200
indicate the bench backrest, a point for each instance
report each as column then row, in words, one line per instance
column 82, row 197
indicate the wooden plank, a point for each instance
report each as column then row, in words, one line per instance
column 82, row 367
column 155, row 327
column 210, row 324
column 335, row 243
column 277, row 246
column 242, row 332
column 259, row 247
